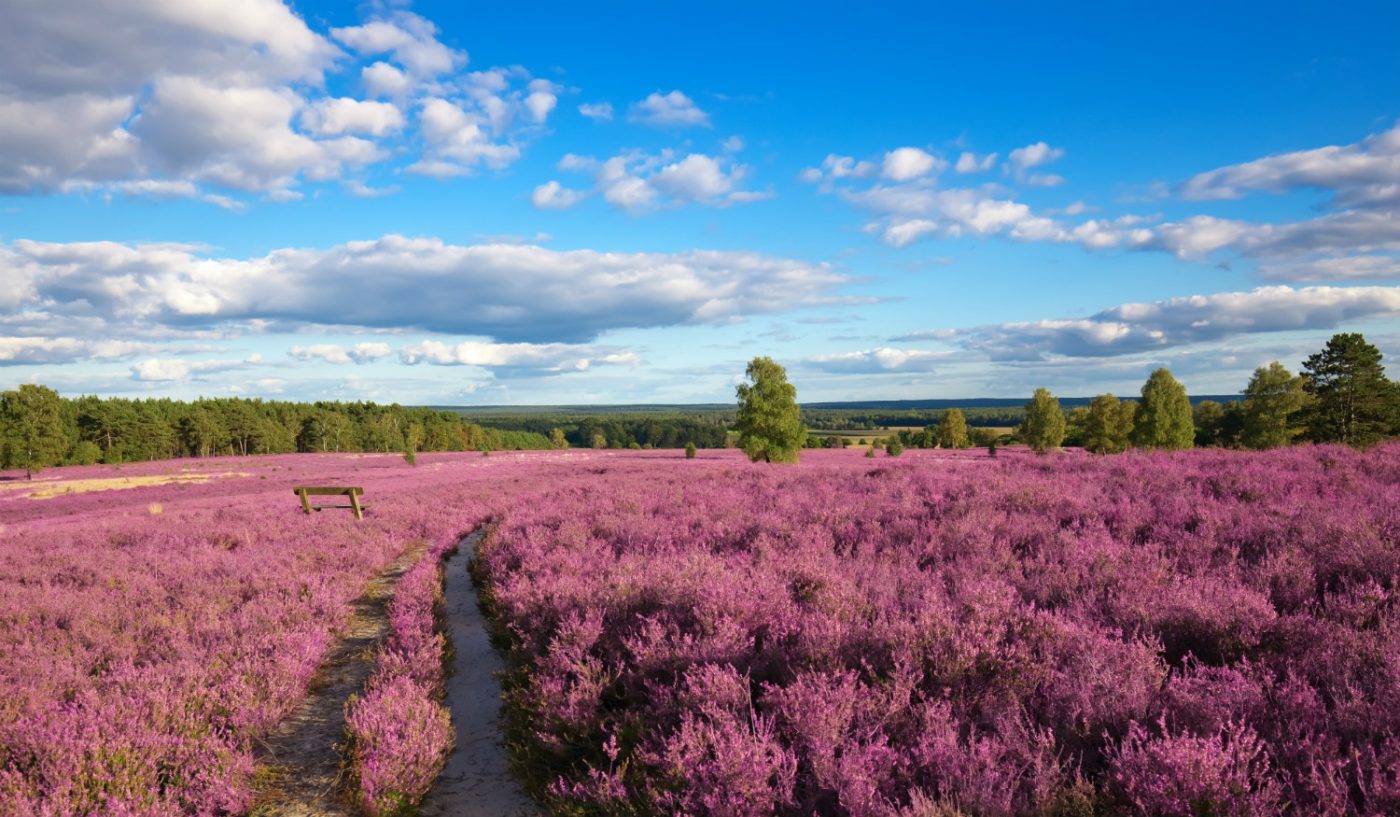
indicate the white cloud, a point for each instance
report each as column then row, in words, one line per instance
column 336, row 116
column 1362, row 174
column 597, row 111
column 506, row 292
column 835, row 167
column 1139, row 327
column 360, row 353
column 15, row 351
column 1349, row 268
column 883, row 359
column 162, row 98
column 673, row 110
column 461, row 137
column 639, row 182
column 554, row 196
column 383, row 79
column 903, row 164
column 409, row 40
column 505, row 357
column 969, row 162
column 164, row 370
column 1023, row 159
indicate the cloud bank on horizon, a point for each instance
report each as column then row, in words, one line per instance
column 420, row 206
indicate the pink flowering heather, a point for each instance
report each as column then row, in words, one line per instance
column 1207, row 632
column 400, row 732
column 943, row 634
column 144, row 653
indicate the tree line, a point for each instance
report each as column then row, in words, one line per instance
column 1341, row 396
column 635, row 431
column 39, row 428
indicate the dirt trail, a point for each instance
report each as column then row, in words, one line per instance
column 299, row 772
column 477, row 781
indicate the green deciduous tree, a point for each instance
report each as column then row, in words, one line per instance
column 1108, row 427
column 32, row 433
column 556, row 438
column 768, row 420
column 952, row 430
column 1272, row 402
column 1163, row 418
column 1353, row 403
column 1043, row 429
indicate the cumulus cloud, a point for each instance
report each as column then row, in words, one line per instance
column 969, row 162
column 1020, row 160
column 408, row 39
column 336, row 116
column 505, row 358
column 166, row 370
column 1351, row 244
column 382, row 79
column 543, row 96
column 554, row 196
column 835, row 167
column 903, row 164
column 183, row 98
column 597, row 111
column 1139, row 327
column 34, row 350
column 1361, row 174
column 1350, row 268
column 673, row 110
column 359, row 353
column 504, row 292
column 638, row 182
column 884, row 359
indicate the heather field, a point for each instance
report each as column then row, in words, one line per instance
column 942, row 633
column 1205, row 633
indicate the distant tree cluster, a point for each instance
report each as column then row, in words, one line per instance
column 38, row 429
column 617, row 431
column 1341, row 396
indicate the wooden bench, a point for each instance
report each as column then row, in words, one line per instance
column 353, row 492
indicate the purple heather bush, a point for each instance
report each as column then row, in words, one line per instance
column 143, row 655
column 400, row 732
column 941, row 635
column 1208, row 632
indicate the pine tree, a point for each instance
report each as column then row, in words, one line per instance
column 1353, row 403
column 1043, row 428
column 1273, row 399
column 32, row 434
column 1163, row 418
column 768, row 420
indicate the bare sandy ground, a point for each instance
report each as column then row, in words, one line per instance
column 477, row 781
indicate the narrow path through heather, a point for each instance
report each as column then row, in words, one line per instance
column 299, row 765
column 477, row 781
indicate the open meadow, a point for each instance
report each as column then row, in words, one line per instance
column 942, row 633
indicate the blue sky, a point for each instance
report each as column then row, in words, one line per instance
column 460, row 203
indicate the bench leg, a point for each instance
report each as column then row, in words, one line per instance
column 305, row 503
column 355, row 506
